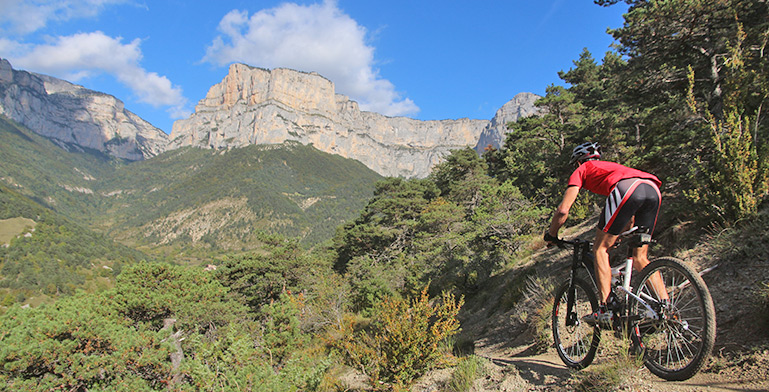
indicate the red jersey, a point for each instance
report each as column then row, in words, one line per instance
column 601, row 176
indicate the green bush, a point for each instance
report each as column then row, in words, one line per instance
column 466, row 372
column 403, row 340
column 74, row 344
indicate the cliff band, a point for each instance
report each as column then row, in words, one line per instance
column 259, row 106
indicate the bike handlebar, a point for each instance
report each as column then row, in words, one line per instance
column 643, row 238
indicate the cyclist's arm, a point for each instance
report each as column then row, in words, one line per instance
column 562, row 212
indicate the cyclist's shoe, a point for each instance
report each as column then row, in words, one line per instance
column 601, row 318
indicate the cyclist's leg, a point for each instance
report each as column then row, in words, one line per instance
column 646, row 217
column 603, row 241
column 617, row 212
column 641, row 260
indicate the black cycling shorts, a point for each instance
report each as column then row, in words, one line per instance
column 631, row 197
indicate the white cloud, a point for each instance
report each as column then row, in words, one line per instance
column 24, row 16
column 319, row 38
column 83, row 55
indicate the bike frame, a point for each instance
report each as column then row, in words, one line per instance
column 581, row 253
column 581, row 258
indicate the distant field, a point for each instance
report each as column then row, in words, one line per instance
column 10, row 228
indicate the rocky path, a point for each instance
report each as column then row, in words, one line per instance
column 516, row 370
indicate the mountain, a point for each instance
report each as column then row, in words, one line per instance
column 493, row 135
column 76, row 117
column 251, row 106
column 220, row 199
column 225, row 199
column 259, row 106
column 36, row 167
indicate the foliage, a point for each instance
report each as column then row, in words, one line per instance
column 262, row 277
column 59, row 256
column 453, row 228
column 402, row 341
column 732, row 173
column 117, row 341
column 146, row 294
column 409, row 334
column 74, row 345
column 281, row 333
column 466, row 372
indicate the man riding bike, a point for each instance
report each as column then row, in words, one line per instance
column 632, row 195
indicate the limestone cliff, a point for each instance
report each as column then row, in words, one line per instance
column 522, row 105
column 250, row 106
column 259, row 106
column 75, row 116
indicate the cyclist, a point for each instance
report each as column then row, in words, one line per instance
column 632, row 195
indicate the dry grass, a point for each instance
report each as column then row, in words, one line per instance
column 465, row 373
column 619, row 371
column 10, row 228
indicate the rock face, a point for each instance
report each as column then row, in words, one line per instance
column 75, row 116
column 251, row 106
column 522, row 105
column 258, row 106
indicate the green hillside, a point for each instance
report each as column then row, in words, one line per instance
column 223, row 199
column 210, row 199
column 52, row 255
column 58, row 178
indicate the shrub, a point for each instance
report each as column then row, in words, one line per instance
column 467, row 371
column 409, row 334
column 403, row 340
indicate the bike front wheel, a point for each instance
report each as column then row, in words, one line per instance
column 575, row 340
column 678, row 341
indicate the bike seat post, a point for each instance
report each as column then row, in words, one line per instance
column 639, row 236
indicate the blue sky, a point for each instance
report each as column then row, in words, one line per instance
column 427, row 59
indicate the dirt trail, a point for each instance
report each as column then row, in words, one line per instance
column 510, row 371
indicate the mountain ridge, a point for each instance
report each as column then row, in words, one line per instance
column 74, row 116
column 251, row 106
column 254, row 105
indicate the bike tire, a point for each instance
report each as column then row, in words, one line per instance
column 578, row 343
column 676, row 347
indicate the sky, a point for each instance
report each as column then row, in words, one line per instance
column 424, row 59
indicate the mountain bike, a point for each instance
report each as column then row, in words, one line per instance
column 674, row 335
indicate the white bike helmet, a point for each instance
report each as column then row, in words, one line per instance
column 585, row 152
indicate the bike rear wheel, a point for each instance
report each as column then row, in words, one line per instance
column 575, row 340
column 677, row 344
